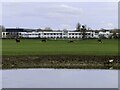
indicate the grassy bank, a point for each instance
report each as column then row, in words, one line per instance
column 57, row 61
column 83, row 54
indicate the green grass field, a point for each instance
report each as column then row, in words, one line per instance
column 59, row 47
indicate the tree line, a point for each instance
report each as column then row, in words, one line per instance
column 79, row 28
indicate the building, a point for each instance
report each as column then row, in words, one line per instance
column 30, row 33
column 14, row 32
column 55, row 34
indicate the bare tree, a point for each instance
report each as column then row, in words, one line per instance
column 48, row 29
column 83, row 30
column 2, row 28
column 78, row 27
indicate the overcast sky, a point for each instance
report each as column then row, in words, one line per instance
column 60, row 15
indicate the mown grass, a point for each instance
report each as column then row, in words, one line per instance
column 59, row 47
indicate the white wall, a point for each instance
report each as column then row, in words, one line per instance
column 59, row 34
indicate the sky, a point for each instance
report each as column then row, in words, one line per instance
column 60, row 15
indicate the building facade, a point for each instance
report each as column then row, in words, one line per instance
column 13, row 33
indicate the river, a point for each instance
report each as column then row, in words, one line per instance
column 59, row 78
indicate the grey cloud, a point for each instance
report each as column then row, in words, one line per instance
column 60, row 15
column 37, row 10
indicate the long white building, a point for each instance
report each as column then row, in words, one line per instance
column 54, row 34
column 58, row 34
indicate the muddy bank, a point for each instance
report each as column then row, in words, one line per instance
column 60, row 61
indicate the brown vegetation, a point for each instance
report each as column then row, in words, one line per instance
column 54, row 61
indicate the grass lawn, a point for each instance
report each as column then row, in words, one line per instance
column 59, row 47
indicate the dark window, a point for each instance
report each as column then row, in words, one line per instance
column 3, row 33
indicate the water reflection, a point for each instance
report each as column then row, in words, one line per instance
column 0, row 79
column 60, row 78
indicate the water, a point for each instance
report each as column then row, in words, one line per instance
column 0, row 79
column 59, row 78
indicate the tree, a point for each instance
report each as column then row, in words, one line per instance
column 114, row 35
column 39, row 29
column 2, row 28
column 78, row 27
column 48, row 29
column 83, row 30
column 118, row 35
column 65, row 30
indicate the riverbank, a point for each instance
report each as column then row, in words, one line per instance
column 60, row 61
